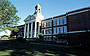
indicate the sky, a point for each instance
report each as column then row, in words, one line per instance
column 50, row 8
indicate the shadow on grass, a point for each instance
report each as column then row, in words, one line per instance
column 27, row 49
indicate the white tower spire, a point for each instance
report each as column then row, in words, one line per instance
column 38, row 8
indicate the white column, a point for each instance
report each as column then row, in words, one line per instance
column 35, row 29
column 38, row 29
column 25, row 31
column 31, row 29
column 28, row 31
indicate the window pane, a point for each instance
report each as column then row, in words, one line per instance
column 57, row 30
column 54, row 30
column 61, row 28
column 54, row 23
column 65, row 29
column 50, row 23
column 65, row 21
column 46, row 24
column 61, row 21
column 57, row 22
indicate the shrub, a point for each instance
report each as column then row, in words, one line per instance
column 41, row 36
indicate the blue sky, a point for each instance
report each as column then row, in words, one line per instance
column 50, row 8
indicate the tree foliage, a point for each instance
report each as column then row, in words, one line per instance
column 8, row 17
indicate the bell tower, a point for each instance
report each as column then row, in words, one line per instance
column 38, row 8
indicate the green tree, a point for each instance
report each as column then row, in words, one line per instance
column 8, row 17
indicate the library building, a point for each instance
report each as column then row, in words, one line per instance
column 73, row 26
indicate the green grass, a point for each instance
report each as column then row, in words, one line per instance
column 27, row 49
column 6, row 52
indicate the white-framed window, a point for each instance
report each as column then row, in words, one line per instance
column 61, row 29
column 65, row 29
column 50, row 23
column 58, row 30
column 50, row 31
column 54, row 30
column 55, row 22
column 43, row 31
column 61, row 21
column 43, row 24
column 58, row 22
column 65, row 21
column 46, row 24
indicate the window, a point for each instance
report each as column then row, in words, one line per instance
column 65, row 29
column 43, row 24
column 54, row 30
column 57, row 22
column 61, row 29
column 43, row 31
column 50, row 31
column 50, row 23
column 65, row 21
column 61, row 21
column 57, row 30
column 47, row 31
column 46, row 24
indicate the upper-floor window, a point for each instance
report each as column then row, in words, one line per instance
column 65, row 21
column 58, row 22
column 61, row 21
column 49, row 23
column 46, row 24
column 43, row 24
column 55, row 22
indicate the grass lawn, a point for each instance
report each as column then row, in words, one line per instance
column 27, row 49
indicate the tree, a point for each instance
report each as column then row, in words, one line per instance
column 8, row 17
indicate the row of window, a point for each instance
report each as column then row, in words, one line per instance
column 55, row 30
column 47, row 24
column 59, row 22
column 55, row 22
column 48, row 38
column 47, row 31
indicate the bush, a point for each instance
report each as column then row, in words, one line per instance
column 41, row 36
